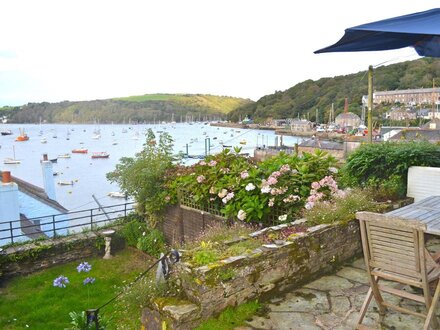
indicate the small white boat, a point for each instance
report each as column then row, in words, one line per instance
column 96, row 136
column 101, row 154
column 11, row 161
column 43, row 140
column 116, row 194
column 65, row 183
column 64, row 156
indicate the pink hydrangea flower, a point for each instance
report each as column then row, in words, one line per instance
column 271, row 201
column 272, row 180
column 202, row 163
column 212, row 163
column 244, row 174
column 285, row 168
column 200, row 178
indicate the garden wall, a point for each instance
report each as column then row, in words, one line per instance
column 263, row 273
column 37, row 255
column 183, row 223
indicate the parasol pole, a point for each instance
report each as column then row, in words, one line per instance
column 370, row 103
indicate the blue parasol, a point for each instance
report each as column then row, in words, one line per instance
column 419, row 30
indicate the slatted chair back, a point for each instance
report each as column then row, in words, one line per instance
column 396, row 248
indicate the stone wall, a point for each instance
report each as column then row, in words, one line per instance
column 38, row 255
column 183, row 223
column 263, row 273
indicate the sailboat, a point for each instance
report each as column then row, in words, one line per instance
column 11, row 161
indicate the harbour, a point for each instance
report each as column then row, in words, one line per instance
column 79, row 175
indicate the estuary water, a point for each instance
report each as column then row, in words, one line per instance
column 119, row 141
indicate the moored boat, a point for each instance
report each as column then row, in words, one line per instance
column 64, row 156
column 102, row 154
column 65, row 183
column 6, row 132
column 11, row 161
column 116, row 194
column 22, row 137
column 80, row 151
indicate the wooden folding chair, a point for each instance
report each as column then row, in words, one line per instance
column 394, row 250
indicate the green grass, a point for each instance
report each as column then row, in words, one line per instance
column 224, row 104
column 34, row 301
column 148, row 97
column 231, row 318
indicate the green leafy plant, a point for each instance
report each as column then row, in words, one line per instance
column 133, row 230
column 341, row 208
column 152, row 242
column 79, row 322
column 386, row 164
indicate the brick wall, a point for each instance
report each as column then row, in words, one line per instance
column 182, row 223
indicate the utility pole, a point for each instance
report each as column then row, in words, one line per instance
column 370, row 103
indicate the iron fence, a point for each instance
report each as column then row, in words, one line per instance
column 62, row 224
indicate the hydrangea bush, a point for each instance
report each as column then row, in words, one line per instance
column 248, row 191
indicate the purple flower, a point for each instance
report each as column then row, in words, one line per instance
column 212, row 163
column 200, row 178
column 61, row 281
column 84, row 267
column 89, row 280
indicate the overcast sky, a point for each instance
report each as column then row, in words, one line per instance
column 82, row 50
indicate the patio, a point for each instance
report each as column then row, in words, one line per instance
column 333, row 302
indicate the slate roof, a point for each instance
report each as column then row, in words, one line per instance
column 431, row 135
column 36, row 193
column 326, row 145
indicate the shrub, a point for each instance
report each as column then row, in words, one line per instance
column 144, row 176
column 240, row 189
column 341, row 208
column 152, row 242
column 132, row 231
column 377, row 163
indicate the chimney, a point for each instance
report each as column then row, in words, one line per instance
column 9, row 204
column 48, row 181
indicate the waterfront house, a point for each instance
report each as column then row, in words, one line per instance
column 28, row 211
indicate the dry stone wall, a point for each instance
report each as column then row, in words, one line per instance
column 263, row 273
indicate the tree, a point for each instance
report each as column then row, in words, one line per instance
column 143, row 176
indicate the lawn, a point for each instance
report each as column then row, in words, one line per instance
column 33, row 302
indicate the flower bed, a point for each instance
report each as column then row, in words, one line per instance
column 276, row 190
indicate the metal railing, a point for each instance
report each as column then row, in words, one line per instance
column 62, row 224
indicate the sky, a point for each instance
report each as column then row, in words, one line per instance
column 52, row 50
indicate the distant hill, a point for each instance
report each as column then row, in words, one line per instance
column 304, row 98
column 142, row 108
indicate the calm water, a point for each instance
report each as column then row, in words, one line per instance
column 89, row 174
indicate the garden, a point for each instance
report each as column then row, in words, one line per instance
column 274, row 203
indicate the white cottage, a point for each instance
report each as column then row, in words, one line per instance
column 28, row 211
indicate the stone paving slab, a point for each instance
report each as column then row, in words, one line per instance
column 333, row 303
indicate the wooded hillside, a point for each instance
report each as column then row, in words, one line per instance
column 143, row 108
column 304, row 98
